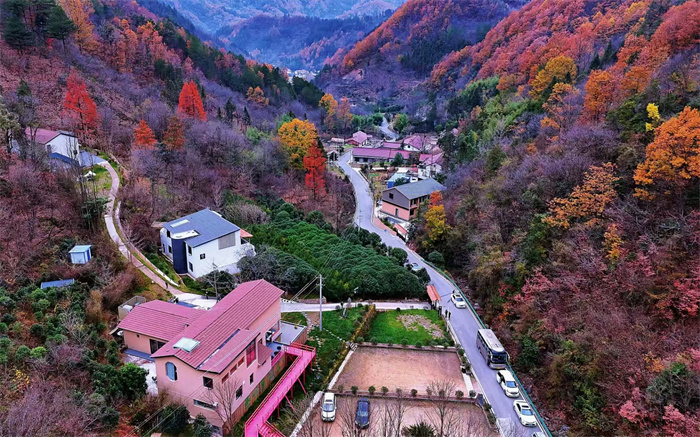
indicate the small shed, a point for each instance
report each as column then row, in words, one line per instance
column 59, row 283
column 80, row 254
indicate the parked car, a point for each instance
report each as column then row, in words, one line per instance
column 458, row 300
column 362, row 416
column 415, row 267
column 328, row 408
column 507, row 381
column 524, row 412
column 538, row 434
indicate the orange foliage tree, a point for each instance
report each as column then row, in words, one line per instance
column 257, row 95
column 436, row 218
column 79, row 107
column 587, row 201
column 79, row 12
column 174, row 136
column 600, row 93
column 560, row 112
column 315, row 166
column 557, row 69
column 673, row 158
column 344, row 115
column 297, row 137
column 330, row 105
column 144, row 136
column 190, row 103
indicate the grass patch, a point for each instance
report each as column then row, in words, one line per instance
column 163, row 265
column 297, row 318
column 388, row 328
column 193, row 286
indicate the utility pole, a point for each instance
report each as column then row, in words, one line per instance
column 320, row 303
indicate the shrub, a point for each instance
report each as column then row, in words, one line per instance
column 3, row 328
column 460, row 351
column 39, row 316
column 487, row 406
column 175, row 419
column 472, row 394
column 398, row 309
column 404, row 342
column 451, row 342
column 38, row 352
column 372, row 389
column 360, row 339
column 5, row 343
column 419, row 344
column 459, row 394
column 360, row 305
column 385, row 390
column 436, row 257
column 201, row 427
column 341, row 388
column 37, row 330
column 388, row 343
column 353, row 389
column 22, row 353
column 8, row 318
column 429, row 391
column 399, row 391
column 374, row 341
column 414, row 392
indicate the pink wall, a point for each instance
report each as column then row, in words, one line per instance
column 139, row 342
column 390, row 209
column 189, row 384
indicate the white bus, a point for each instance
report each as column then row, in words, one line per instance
column 491, row 349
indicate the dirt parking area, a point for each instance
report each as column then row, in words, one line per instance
column 400, row 368
column 456, row 419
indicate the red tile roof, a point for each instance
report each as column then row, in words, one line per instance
column 43, row 136
column 225, row 330
column 158, row 319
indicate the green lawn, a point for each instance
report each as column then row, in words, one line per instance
column 388, row 328
column 297, row 318
column 103, row 181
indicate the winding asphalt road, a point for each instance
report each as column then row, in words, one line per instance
column 463, row 321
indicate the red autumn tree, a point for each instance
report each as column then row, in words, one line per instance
column 190, row 103
column 144, row 136
column 79, row 107
column 174, row 136
column 315, row 166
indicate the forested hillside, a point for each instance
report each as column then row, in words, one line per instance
column 572, row 139
column 187, row 126
column 297, row 42
column 405, row 48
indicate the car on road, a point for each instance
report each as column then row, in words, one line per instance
column 415, row 267
column 362, row 415
column 328, row 408
column 524, row 412
column 458, row 300
column 507, row 382
column 538, row 434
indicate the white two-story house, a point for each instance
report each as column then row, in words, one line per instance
column 202, row 242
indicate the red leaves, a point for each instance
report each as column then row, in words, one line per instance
column 79, row 106
column 315, row 166
column 145, row 139
column 190, row 103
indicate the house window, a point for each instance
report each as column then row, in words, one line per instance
column 191, row 269
column 207, row 382
column 189, row 250
column 171, row 371
column 250, row 353
column 391, row 195
column 227, row 241
column 239, row 392
column 396, row 213
column 155, row 345
column 202, row 255
column 225, row 378
column 170, row 249
column 167, row 233
column 203, row 404
column 251, row 378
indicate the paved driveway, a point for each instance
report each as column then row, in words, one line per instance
column 463, row 321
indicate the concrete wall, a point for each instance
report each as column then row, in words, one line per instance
column 139, row 342
column 64, row 145
column 391, row 209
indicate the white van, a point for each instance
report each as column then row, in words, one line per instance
column 328, row 407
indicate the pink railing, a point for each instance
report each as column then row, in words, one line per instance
column 257, row 424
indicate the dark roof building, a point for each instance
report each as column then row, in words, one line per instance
column 201, row 227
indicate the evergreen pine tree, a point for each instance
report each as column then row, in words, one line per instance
column 16, row 34
column 59, row 26
column 596, row 64
column 246, row 116
column 230, row 110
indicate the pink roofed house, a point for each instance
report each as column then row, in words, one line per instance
column 359, row 138
column 216, row 361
